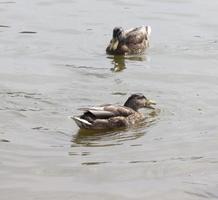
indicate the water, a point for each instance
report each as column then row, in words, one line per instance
column 53, row 61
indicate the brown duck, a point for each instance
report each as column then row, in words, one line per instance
column 114, row 116
column 133, row 41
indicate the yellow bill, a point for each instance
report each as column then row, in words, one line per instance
column 114, row 44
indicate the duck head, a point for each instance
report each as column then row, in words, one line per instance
column 118, row 35
column 137, row 101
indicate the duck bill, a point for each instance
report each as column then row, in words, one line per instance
column 149, row 103
column 114, row 44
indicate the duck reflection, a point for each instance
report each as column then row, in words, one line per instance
column 93, row 138
column 119, row 62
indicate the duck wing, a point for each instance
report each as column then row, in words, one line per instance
column 106, row 112
column 108, row 116
column 121, row 111
column 98, row 114
column 136, row 35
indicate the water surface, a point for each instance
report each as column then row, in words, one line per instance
column 53, row 61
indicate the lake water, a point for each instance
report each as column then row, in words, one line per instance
column 53, row 61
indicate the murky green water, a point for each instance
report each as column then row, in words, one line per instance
column 53, row 61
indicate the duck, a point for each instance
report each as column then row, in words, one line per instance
column 111, row 116
column 132, row 41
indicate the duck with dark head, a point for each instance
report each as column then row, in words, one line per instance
column 115, row 116
column 132, row 41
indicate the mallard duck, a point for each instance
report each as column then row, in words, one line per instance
column 133, row 41
column 114, row 116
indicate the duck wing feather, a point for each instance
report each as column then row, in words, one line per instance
column 106, row 112
column 136, row 35
column 119, row 110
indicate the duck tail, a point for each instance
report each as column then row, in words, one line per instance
column 82, row 123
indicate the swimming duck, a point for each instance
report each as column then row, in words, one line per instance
column 114, row 116
column 132, row 41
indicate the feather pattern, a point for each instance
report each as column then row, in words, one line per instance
column 113, row 116
column 132, row 41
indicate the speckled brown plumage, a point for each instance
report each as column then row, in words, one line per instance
column 114, row 116
column 133, row 41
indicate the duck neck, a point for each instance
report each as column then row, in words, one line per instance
column 131, row 105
